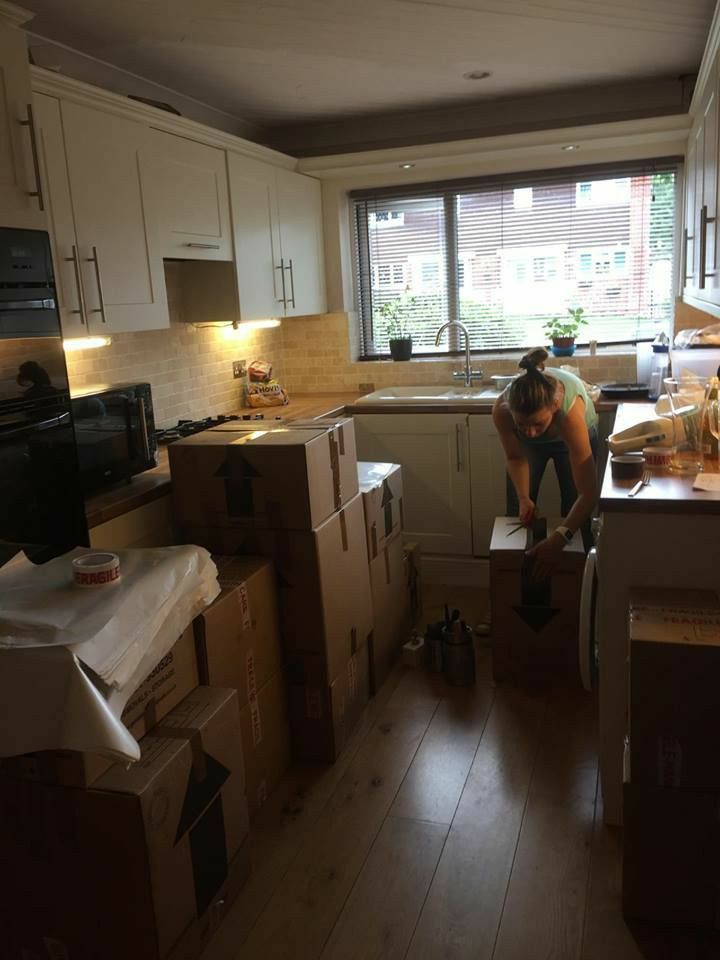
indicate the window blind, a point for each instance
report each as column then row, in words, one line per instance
column 504, row 255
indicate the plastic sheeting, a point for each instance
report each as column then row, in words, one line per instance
column 70, row 658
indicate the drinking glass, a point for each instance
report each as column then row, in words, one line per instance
column 686, row 405
column 711, row 420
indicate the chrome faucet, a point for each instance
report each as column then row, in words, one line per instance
column 469, row 375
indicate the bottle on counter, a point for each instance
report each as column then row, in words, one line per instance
column 659, row 366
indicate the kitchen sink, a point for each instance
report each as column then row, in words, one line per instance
column 439, row 396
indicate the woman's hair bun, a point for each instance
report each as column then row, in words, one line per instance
column 534, row 359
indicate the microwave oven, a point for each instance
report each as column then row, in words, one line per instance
column 114, row 433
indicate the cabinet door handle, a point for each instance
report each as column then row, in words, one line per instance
column 29, row 122
column 703, row 241
column 144, row 435
column 283, row 299
column 458, row 447
column 686, row 237
column 101, row 309
column 75, row 260
column 292, row 283
column 203, row 246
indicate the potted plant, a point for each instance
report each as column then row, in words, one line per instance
column 393, row 313
column 563, row 331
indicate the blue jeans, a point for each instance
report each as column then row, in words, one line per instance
column 538, row 455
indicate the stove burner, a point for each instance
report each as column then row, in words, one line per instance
column 186, row 428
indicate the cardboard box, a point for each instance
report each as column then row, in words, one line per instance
column 534, row 624
column 238, row 635
column 674, row 706
column 136, row 866
column 322, row 716
column 174, row 677
column 413, row 573
column 265, row 740
column 271, row 477
column 382, row 493
column 671, row 848
column 325, row 602
column 391, row 611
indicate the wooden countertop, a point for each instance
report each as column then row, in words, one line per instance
column 667, row 492
column 153, row 484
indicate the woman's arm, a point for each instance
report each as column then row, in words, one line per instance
column 515, row 459
column 574, row 432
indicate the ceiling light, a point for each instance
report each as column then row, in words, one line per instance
column 571, row 146
column 478, row 75
column 85, row 343
column 406, row 166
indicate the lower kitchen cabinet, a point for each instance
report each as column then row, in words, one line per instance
column 150, row 525
column 434, row 452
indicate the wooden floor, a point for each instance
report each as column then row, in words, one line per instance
column 458, row 824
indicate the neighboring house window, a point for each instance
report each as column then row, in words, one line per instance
column 522, row 198
column 503, row 258
column 597, row 193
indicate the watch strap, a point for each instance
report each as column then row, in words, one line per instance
column 566, row 533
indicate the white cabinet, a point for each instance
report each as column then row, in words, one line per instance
column 56, row 189
column 277, row 227
column 701, row 264
column 433, row 451
column 21, row 200
column 301, row 243
column 487, row 472
column 185, row 184
column 120, row 263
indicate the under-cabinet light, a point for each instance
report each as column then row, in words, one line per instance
column 236, row 330
column 85, row 343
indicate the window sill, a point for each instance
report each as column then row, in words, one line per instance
column 613, row 350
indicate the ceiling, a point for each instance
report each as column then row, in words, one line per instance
column 284, row 62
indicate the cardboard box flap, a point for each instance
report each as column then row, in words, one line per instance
column 505, row 541
column 278, row 437
column 685, row 625
column 165, row 742
column 371, row 474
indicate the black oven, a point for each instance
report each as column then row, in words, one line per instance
column 42, row 510
column 115, row 433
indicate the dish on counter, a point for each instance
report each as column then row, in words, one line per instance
column 625, row 391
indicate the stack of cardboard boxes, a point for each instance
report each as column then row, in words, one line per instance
column 392, row 574
column 140, row 862
column 290, row 493
column 672, row 777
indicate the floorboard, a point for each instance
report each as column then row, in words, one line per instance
column 304, row 908
column 463, row 909
column 380, row 915
column 545, row 904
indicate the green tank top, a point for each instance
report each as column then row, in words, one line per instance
column 573, row 388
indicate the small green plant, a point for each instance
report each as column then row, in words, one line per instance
column 560, row 327
column 394, row 314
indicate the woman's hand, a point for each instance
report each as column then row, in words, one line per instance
column 545, row 556
column 527, row 511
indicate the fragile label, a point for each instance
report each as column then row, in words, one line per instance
column 255, row 722
column 251, row 677
column 244, row 602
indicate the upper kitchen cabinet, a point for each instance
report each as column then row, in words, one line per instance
column 120, row 262
column 63, row 240
column 700, row 237
column 185, row 183
column 21, row 199
column 277, row 225
column 301, row 244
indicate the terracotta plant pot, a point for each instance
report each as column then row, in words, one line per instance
column 401, row 348
column 563, row 346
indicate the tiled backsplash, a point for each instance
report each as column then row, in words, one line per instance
column 316, row 358
column 190, row 369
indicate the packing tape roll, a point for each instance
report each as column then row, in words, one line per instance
column 658, row 456
column 96, row 569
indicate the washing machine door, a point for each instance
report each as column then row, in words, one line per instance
column 587, row 634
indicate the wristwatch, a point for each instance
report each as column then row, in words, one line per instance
column 566, row 533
